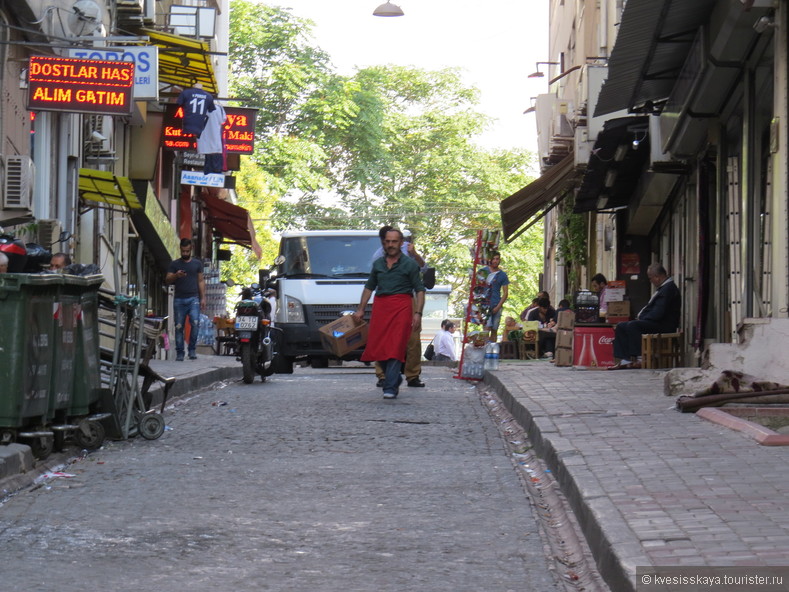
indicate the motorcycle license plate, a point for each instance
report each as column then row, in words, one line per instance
column 246, row 323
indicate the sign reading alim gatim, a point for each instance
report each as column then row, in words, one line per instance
column 85, row 86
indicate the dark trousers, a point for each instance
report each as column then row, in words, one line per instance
column 627, row 338
column 392, row 375
column 547, row 341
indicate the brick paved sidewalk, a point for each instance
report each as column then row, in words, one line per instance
column 650, row 485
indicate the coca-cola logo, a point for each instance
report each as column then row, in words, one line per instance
column 605, row 340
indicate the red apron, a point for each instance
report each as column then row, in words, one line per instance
column 390, row 328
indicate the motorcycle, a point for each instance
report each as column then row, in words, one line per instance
column 256, row 338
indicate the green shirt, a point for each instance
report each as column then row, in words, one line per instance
column 402, row 278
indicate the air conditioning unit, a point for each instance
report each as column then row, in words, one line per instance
column 18, row 182
column 101, row 129
column 49, row 232
column 582, row 146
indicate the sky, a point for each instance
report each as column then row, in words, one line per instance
column 495, row 43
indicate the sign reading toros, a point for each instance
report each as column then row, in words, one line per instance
column 238, row 133
column 86, row 86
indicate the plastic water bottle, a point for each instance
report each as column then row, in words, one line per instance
column 495, row 350
column 488, row 364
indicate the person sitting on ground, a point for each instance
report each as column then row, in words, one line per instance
column 59, row 261
column 545, row 314
column 660, row 315
column 444, row 343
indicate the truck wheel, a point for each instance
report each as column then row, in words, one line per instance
column 247, row 363
column 319, row 362
column 281, row 365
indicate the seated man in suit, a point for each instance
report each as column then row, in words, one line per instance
column 660, row 315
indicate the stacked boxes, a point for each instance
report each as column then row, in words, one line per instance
column 564, row 339
column 618, row 307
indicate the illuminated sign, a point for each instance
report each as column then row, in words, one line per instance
column 86, row 86
column 238, row 134
column 145, row 59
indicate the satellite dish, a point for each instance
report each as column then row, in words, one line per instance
column 85, row 18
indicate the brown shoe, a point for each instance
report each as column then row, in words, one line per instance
column 635, row 365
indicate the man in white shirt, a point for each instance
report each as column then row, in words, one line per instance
column 444, row 343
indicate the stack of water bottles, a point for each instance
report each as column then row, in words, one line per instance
column 473, row 361
column 476, row 360
column 492, row 351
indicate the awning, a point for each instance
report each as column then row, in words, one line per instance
column 615, row 166
column 651, row 46
column 154, row 227
column 232, row 223
column 107, row 188
column 522, row 205
column 183, row 61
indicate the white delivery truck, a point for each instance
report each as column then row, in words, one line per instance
column 319, row 276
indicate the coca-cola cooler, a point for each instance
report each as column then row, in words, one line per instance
column 593, row 346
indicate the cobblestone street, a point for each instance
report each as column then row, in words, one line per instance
column 309, row 482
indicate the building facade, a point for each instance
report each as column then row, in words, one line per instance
column 93, row 172
column 663, row 138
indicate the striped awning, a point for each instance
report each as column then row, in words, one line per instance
column 107, row 188
column 520, row 207
column 183, row 61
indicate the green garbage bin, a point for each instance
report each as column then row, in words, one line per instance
column 64, row 334
column 86, row 383
column 27, row 305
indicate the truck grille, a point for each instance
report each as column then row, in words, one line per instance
column 326, row 313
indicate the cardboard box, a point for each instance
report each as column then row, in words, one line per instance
column 618, row 312
column 343, row 335
column 619, row 309
column 563, row 357
column 566, row 320
column 564, row 338
column 615, row 291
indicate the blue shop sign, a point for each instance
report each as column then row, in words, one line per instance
column 146, row 65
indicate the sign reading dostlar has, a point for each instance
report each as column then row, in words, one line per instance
column 86, row 86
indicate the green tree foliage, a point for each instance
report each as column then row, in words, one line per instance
column 388, row 145
column 571, row 241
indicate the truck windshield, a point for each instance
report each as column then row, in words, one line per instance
column 328, row 256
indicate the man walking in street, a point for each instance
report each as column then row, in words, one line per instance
column 186, row 274
column 660, row 315
column 397, row 310
column 413, row 357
